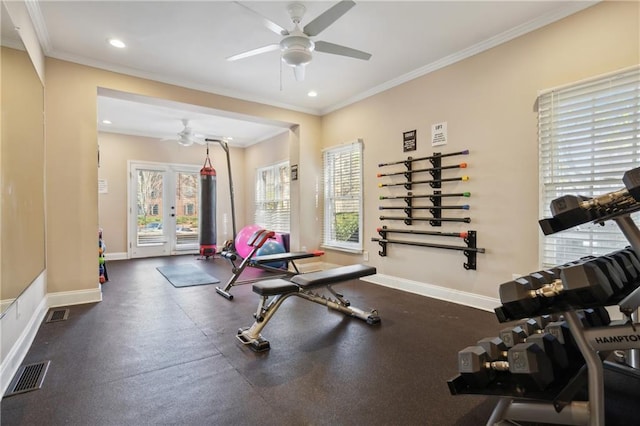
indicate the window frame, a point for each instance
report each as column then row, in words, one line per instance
column 261, row 197
column 588, row 136
column 328, row 236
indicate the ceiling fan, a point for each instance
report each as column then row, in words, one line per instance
column 186, row 137
column 296, row 45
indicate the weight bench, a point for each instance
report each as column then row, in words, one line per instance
column 257, row 240
column 274, row 291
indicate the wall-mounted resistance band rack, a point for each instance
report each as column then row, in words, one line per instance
column 435, row 210
column 436, row 170
column 469, row 237
column 436, row 198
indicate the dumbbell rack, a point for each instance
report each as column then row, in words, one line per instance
column 556, row 405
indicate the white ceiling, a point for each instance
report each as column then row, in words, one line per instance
column 187, row 43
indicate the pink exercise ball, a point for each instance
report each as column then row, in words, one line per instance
column 242, row 248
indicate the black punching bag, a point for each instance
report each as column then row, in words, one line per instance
column 207, row 209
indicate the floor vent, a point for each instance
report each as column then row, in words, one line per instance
column 28, row 378
column 57, row 315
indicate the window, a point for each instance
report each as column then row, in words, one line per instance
column 589, row 135
column 273, row 204
column 342, row 172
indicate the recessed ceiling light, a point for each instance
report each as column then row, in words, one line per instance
column 117, row 43
column 106, row 122
column 312, row 94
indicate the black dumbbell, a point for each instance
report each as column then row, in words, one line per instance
column 562, row 332
column 627, row 268
column 569, row 210
column 631, row 265
column 631, row 180
column 612, row 270
column 580, row 284
column 525, row 361
column 594, row 317
column 497, row 349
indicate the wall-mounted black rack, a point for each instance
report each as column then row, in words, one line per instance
column 435, row 183
column 435, row 210
column 436, row 194
column 434, row 156
column 432, row 220
column 435, row 170
column 408, row 173
column 409, row 208
column 469, row 237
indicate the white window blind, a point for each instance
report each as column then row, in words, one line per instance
column 342, row 172
column 589, row 135
column 273, row 206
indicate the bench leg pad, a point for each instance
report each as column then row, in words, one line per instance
column 256, row 344
column 373, row 319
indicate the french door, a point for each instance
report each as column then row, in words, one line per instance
column 163, row 209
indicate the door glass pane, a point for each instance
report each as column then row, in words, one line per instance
column 150, row 207
column 186, row 208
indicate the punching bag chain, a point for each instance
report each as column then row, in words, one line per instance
column 207, row 160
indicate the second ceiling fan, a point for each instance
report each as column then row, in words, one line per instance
column 296, row 45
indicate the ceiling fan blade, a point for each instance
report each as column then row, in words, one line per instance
column 265, row 21
column 336, row 49
column 298, row 71
column 254, row 52
column 328, row 17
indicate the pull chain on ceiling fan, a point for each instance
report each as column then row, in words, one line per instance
column 296, row 46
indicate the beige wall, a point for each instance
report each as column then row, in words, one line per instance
column 115, row 152
column 21, row 175
column 488, row 101
column 72, row 172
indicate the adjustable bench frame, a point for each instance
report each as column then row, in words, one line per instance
column 275, row 291
column 257, row 240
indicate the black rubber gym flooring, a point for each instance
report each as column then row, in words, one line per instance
column 152, row 354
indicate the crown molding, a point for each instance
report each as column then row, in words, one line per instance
column 487, row 44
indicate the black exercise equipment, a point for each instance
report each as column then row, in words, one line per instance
column 435, row 183
column 409, row 172
column 207, row 216
column 580, row 285
column 526, row 361
column 431, row 157
column 579, row 291
column 469, row 237
column 435, row 194
column 229, row 244
column 275, row 291
column 572, row 210
column 498, row 349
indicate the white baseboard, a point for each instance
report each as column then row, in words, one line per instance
column 116, row 256
column 20, row 325
column 77, row 297
column 436, row 292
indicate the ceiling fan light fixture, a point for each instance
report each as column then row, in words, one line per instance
column 295, row 57
column 185, row 141
column 296, row 50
